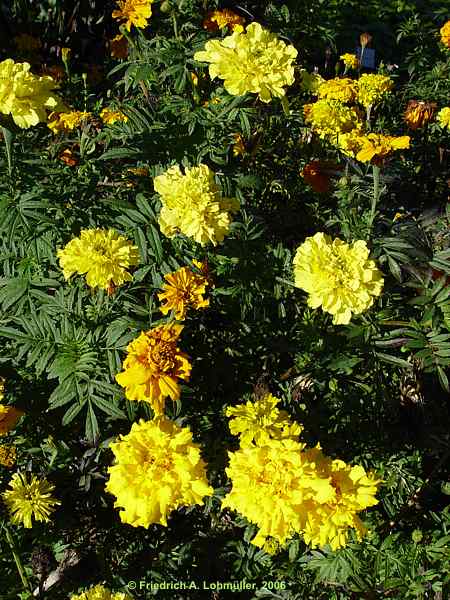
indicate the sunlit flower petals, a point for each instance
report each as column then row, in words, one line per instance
column 26, row 500
column 445, row 34
column 372, row 88
column 99, row 592
column 133, row 12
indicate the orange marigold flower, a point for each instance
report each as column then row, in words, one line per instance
column 119, row 47
column 153, row 367
column 217, row 19
column 317, row 174
column 183, row 289
column 418, row 114
column 445, row 34
column 8, row 418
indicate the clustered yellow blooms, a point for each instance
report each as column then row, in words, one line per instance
column 110, row 116
column 371, row 147
column 8, row 418
column 158, row 469
column 310, row 82
column 330, row 118
column 133, row 12
column 341, row 89
column 218, row 19
column 337, row 276
column 350, row 60
column 445, row 34
column 67, row 121
column 192, row 204
column 443, row 117
column 372, row 88
column 419, row 113
column 99, row 592
column 24, row 96
column 184, row 289
column 102, row 254
column 153, row 366
column 29, row 499
column 260, row 421
column 254, row 61
column 8, row 455
column 286, row 489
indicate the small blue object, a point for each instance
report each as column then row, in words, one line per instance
column 368, row 57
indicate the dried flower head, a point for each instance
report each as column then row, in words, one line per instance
column 418, row 114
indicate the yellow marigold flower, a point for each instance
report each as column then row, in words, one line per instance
column 26, row 500
column 27, row 43
column 24, row 96
column 2, row 387
column 7, row 455
column 119, row 46
column 110, row 117
column 340, row 89
column 310, row 82
column 372, row 88
column 339, row 277
column 158, row 469
column 8, row 418
column 443, row 117
column 418, row 114
column 102, row 254
column 192, row 204
column 153, row 366
column 99, row 592
column 183, row 289
column 133, row 12
column 67, row 121
column 373, row 147
column 217, row 19
column 445, row 34
column 331, row 118
column 350, row 60
column 254, row 61
column 260, row 421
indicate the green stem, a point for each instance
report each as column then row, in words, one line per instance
column 175, row 25
column 285, row 105
column 8, row 137
column 375, row 197
column 9, row 537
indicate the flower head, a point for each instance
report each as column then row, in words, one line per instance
column 340, row 89
column 332, row 118
column 7, row 455
column 338, row 276
column 153, row 366
column 260, row 421
column 158, row 469
column 29, row 499
column 418, row 114
column 99, row 592
column 372, row 147
column 102, row 254
column 8, row 418
column 350, row 60
column 183, row 289
column 445, row 34
column 254, row 61
column 310, row 82
column 443, row 117
column 317, row 174
column 119, row 46
column 133, row 12
column 68, row 158
column 192, row 204
column 67, row 121
column 109, row 116
column 218, row 19
column 372, row 88
column 24, row 96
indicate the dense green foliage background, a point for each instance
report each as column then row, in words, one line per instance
column 374, row 392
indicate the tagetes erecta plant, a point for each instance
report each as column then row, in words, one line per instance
column 102, row 255
column 26, row 97
column 372, row 88
column 337, row 276
column 218, row 19
column 153, row 367
column 133, row 12
column 254, row 61
column 340, row 89
column 158, row 469
column 445, row 34
column 29, row 499
column 184, row 289
column 100, row 592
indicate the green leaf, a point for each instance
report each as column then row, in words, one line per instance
column 91, row 428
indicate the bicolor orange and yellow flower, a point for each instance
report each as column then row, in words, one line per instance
column 184, row 289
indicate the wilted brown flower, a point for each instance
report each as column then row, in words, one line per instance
column 119, row 46
column 418, row 113
column 365, row 39
column 68, row 158
column 317, row 174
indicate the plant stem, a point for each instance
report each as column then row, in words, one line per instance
column 375, row 198
column 8, row 137
column 175, row 25
column 9, row 537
